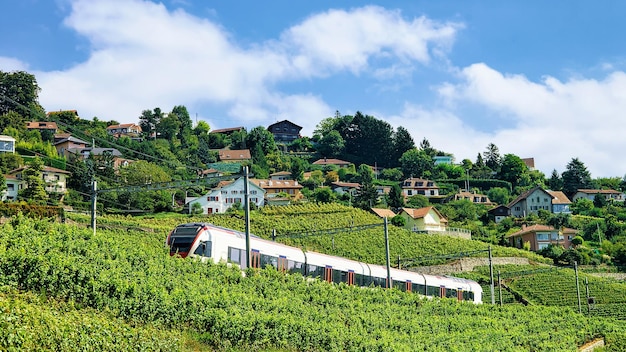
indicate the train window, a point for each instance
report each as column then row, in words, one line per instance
column 340, row 276
column 399, row 285
column 432, row 291
column 315, row 271
column 237, row 256
column 379, row 281
column 450, row 293
column 268, row 260
column 419, row 288
column 204, row 249
column 361, row 280
column 468, row 295
column 294, row 267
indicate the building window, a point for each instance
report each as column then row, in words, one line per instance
column 213, row 199
column 543, row 237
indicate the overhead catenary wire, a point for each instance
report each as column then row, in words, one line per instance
column 114, row 144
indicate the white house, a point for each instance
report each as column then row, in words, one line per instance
column 608, row 194
column 55, row 179
column 13, row 187
column 7, row 144
column 227, row 193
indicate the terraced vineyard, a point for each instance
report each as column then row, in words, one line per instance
column 129, row 276
column 327, row 228
column 557, row 287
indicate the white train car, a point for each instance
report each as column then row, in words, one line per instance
column 225, row 245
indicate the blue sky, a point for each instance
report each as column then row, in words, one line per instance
column 538, row 79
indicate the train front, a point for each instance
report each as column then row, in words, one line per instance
column 184, row 238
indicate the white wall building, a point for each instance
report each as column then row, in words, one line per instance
column 7, row 144
column 13, row 187
column 227, row 193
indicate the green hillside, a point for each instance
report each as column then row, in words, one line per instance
column 326, row 228
column 128, row 275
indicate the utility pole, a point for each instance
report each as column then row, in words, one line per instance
column 94, row 195
column 246, row 198
column 491, row 289
column 577, row 288
column 389, row 283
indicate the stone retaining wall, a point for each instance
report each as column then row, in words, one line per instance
column 468, row 264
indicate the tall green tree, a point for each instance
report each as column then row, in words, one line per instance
column 35, row 190
column 395, row 198
column 576, row 177
column 416, row 163
column 402, row 142
column 12, row 120
column 366, row 196
column 298, row 166
column 262, row 137
column 427, row 148
column 512, row 169
column 368, row 140
column 19, row 92
column 555, row 182
column 168, row 127
column 331, row 145
column 186, row 125
column 148, row 121
column 493, row 160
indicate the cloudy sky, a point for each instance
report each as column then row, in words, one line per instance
column 541, row 79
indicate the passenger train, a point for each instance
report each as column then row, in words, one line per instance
column 222, row 244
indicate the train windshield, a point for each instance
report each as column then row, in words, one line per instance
column 182, row 238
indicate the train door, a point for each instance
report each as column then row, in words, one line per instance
column 282, row 263
column 442, row 291
column 255, row 258
column 328, row 273
column 350, row 278
column 459, row 294
column 409, row 286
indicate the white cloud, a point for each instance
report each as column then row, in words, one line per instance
column 143, row 55
column 339, row 39
column 9, row 64
column 553, row 121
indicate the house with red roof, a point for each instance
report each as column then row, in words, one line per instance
column 419, row 186
column 429, row 220
column 237, row 155
column 337, row 162
column 541, row 236
column 530, row 202
column 608, row 194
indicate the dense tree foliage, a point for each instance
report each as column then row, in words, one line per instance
column 19, row 93
column 576, row 177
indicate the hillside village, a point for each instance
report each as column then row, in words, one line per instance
column 56, row 159
column 144, row 178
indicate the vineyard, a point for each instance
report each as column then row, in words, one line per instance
column 557, row 287
column 327, row 228
column 130, row 275
column 30, row 322
column 122, row 282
